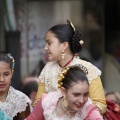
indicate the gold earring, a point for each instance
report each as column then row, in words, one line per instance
column 63, row 55
column 65, row 102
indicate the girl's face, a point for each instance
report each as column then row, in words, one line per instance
column 76, row 95
column 53, row 47
column 5, row 76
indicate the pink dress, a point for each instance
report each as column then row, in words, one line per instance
column 45, row 109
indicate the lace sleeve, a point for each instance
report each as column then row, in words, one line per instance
column 93, row 72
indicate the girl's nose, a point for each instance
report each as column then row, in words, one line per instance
column 81, row 100
column 46, row 48
column 1, row 79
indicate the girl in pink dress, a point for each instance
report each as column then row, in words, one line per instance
column 71, row 102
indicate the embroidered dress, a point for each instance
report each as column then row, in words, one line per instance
column 16, row 102
column 52, row 69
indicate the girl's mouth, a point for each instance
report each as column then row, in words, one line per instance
column 2, row 86
column 78, row 106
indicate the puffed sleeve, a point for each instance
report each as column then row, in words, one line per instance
column 41, row 90
column 97, row 94
column 41, row 86
column 92, row 113
column 37, row 113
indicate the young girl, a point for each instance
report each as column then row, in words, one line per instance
column 71, row 102
column 13, row 102
column 63, row 41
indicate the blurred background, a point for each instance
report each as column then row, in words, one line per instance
column 23, row 24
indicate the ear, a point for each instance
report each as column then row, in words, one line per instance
column 65, row 45
column 63, row 91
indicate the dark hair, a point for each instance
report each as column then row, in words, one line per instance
column 30, row 87
column 115, row 94
column 65, row 33
column 74, row 74
column 5, row 58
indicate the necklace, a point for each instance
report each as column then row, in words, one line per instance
column 67, row 111
column 3, row 96
column 66, row 63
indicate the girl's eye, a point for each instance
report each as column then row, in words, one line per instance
column 49, row 43
column 86, row 95
column 6, row 74
column 76, row 95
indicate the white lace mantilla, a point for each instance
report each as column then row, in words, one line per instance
column 49, row 104
column 16, row 102
column 49, row 74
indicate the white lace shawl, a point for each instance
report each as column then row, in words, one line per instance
column 49, row 74
column 49, row 104
column 16, row 102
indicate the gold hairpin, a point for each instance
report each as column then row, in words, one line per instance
column 61, row 76
column 69, row 22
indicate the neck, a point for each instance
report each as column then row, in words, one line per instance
column 64, row 63
column 3, row 96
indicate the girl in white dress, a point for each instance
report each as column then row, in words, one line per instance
column 13, row 102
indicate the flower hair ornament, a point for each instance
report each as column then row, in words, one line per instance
column 64, row 72
column 12, row 60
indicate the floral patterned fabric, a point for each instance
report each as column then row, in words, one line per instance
column 113, row 111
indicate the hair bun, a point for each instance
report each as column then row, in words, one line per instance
column 76, row 44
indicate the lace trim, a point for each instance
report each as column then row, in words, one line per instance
column 93, row 71
column 50, row 73
column 16, row 102
column 49, row 76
